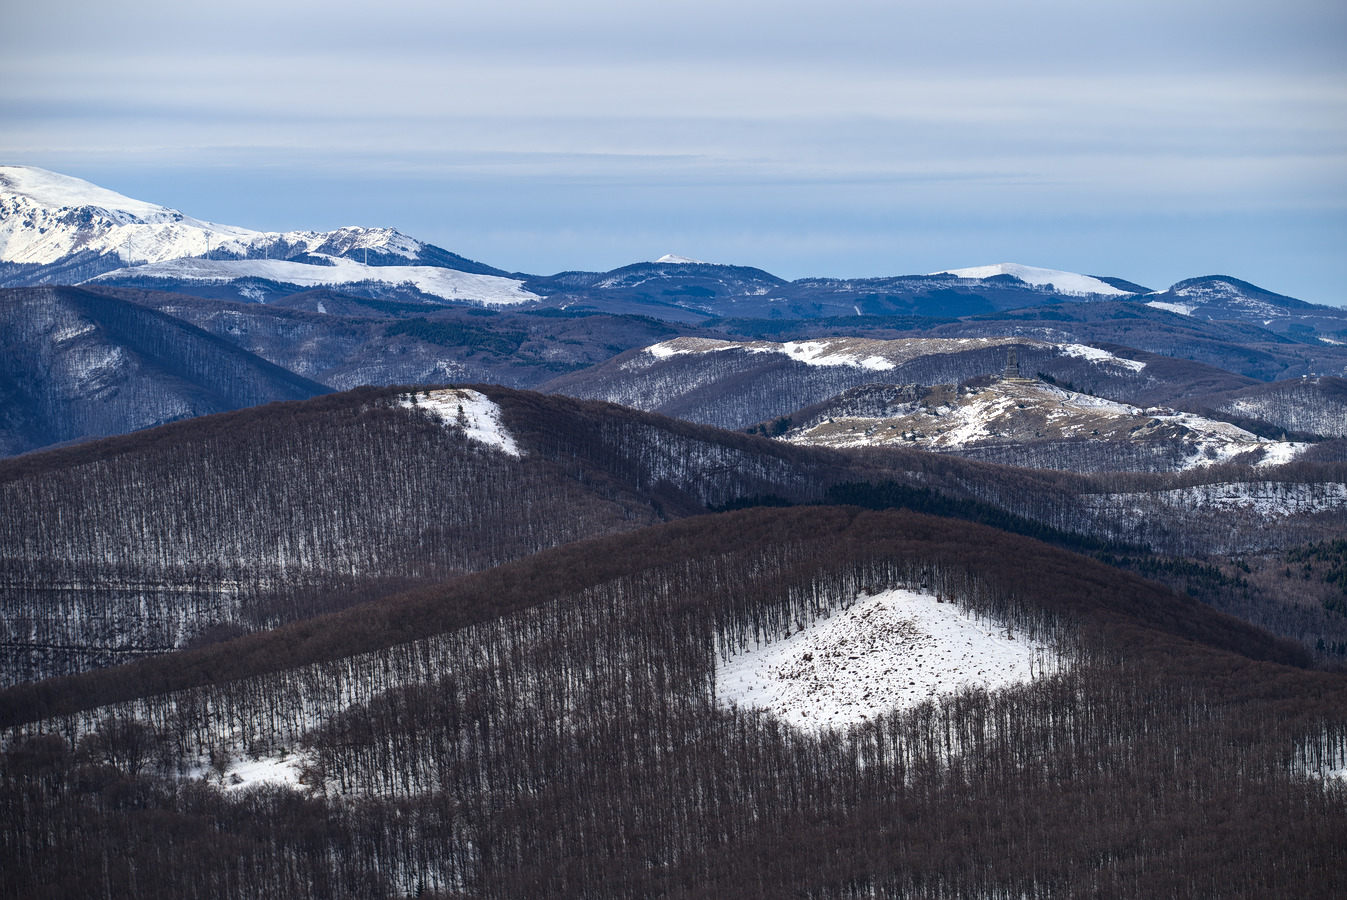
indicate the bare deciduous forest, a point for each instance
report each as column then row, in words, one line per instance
column 561, row 738
column 225, row 525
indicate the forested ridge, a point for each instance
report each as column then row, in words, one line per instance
column 76, row 364
column 147, row 542
column 202, row 530
column 549, row 728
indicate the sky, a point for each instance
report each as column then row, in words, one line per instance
column 1149, row 140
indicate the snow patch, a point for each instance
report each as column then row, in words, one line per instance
column 1094, row 354
column 675, row 258
column 474, row 412
column 857, row 352
column 1183, row 309
column 1024, row 412
column 686, row 345
column 826, row 353
column 895, row 649
column 1062, row 282
column 269, row 770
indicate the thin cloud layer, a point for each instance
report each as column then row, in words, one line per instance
column 860, row 138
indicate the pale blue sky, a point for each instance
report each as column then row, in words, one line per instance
column 1154, row 141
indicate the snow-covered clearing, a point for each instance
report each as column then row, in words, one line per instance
column 1023, row 412
column 269, row 770
column 474, row 412
column 891, row 650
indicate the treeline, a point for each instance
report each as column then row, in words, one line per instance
column 574, row 747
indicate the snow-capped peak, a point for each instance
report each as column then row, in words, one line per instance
column 1062, row 282
column 675, row 258
column 55, row 191
column 46, row 217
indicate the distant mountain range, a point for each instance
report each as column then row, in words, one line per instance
column 55, row 229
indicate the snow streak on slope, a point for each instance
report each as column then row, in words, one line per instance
column 892, row 650
column 474, row 412
column 1094, row 354
column 1062, row 282
column 1183, row 309
column 449, row 284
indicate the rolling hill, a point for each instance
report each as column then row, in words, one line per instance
column 563, row 725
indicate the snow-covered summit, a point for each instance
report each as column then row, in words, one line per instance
column 57, row 228
column 56, row 191
column 675, row 258
column 46, row 217
column 1062, row 282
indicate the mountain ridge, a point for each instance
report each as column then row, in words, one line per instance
column 92, row 233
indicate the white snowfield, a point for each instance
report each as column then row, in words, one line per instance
column 448, row 284
column 892, row 650
column 1219, row 292
column 474, row 412
column 675, row 258
column 1183, row 309
column 877, row 354
column 1063, row 282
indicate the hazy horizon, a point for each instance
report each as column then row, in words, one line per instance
column 1140, row 141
